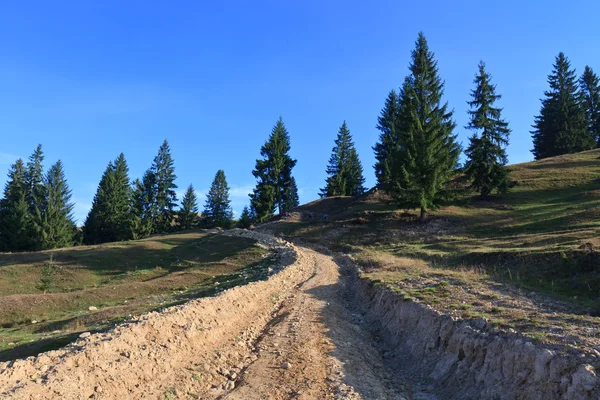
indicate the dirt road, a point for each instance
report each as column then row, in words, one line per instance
column 294, row 336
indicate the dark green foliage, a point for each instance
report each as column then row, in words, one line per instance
column 143, row 206
column 109, row 219
column 188, row 214
column 34, row 180
column 218, row 206
column 274, row 174
column 389, row 140
column 14, row 211
column 344, row 169
column 57, row 228
column 590, row 87
column 291, row 200
column 245, row 220
column 486, row 163
column 560, row 128
column 428, row 154
column 165, row 197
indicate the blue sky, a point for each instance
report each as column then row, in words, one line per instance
column 89, row 80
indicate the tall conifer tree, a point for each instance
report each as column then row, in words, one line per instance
column 274, row 174
column 560, row 128
column 291, row 199
column 188, row 213
column 57, row 228
column 428, row 154
column 590, row 87
column 14, row 211
column 163, row 170
column 218, row 206
column 389, row 140
column 109, row 219
column 143, row 206
column 486, row 163
column 344, row 169
column 34, row 179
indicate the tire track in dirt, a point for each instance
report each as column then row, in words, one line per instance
column 291, row 336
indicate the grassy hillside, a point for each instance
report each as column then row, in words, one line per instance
column 45, row 296
column 518, row 260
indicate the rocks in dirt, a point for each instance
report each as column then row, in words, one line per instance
column 286, row 365
column 84, row 335
column 230, row 385
column 92, row 308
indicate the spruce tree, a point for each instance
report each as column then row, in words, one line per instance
column 218, row 206
column 245, row 220
column 389, row 141
column 143, row 206
column 58, row 228
column 34, row 179
column 344, row 169
column 560, row 128
column 590, row 87
column 188, row 214
column 14, row 211
column 109, row 219
column 164, row 179
column 486, row 163
column 274, row 174
column 428, row 154
column 291, row 199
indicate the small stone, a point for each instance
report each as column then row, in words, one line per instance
column 98, row 389
column 286, row 365
column 92, row 308
column 84, row 335
column 34, row 321
column 11, row 344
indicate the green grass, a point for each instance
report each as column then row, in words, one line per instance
column 42, row 310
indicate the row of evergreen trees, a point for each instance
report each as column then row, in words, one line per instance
column 417, row 152
column 569, row 119
column 36, row 210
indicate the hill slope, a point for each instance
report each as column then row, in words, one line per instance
column 527, row 260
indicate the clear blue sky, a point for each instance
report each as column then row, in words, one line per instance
column 91, row 79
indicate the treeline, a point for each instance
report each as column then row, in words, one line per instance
column 417, row 152
column 416, row 156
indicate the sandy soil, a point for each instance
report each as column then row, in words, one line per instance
column 294, row 336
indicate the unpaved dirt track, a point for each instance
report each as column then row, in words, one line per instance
column 294, row 336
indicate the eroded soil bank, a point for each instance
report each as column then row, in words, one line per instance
column 470, row 359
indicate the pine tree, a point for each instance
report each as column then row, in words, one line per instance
column 274, row 174
column 245, row 220
column 486, row 164
column 143, row 206
column 560, row 128
column 58, row 228
column 188, row 214
column 291, row 199
column 14, row 211
column 218, row 206
column 166, row 199
column 428, row 154
column 34, row 179
column 389, row 141
column 344, row 169
column 109, row 219
column 590, row 87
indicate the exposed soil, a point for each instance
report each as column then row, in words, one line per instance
column 308, row 332
column 292, row 336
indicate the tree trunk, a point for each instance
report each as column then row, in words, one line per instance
column 423, row 217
